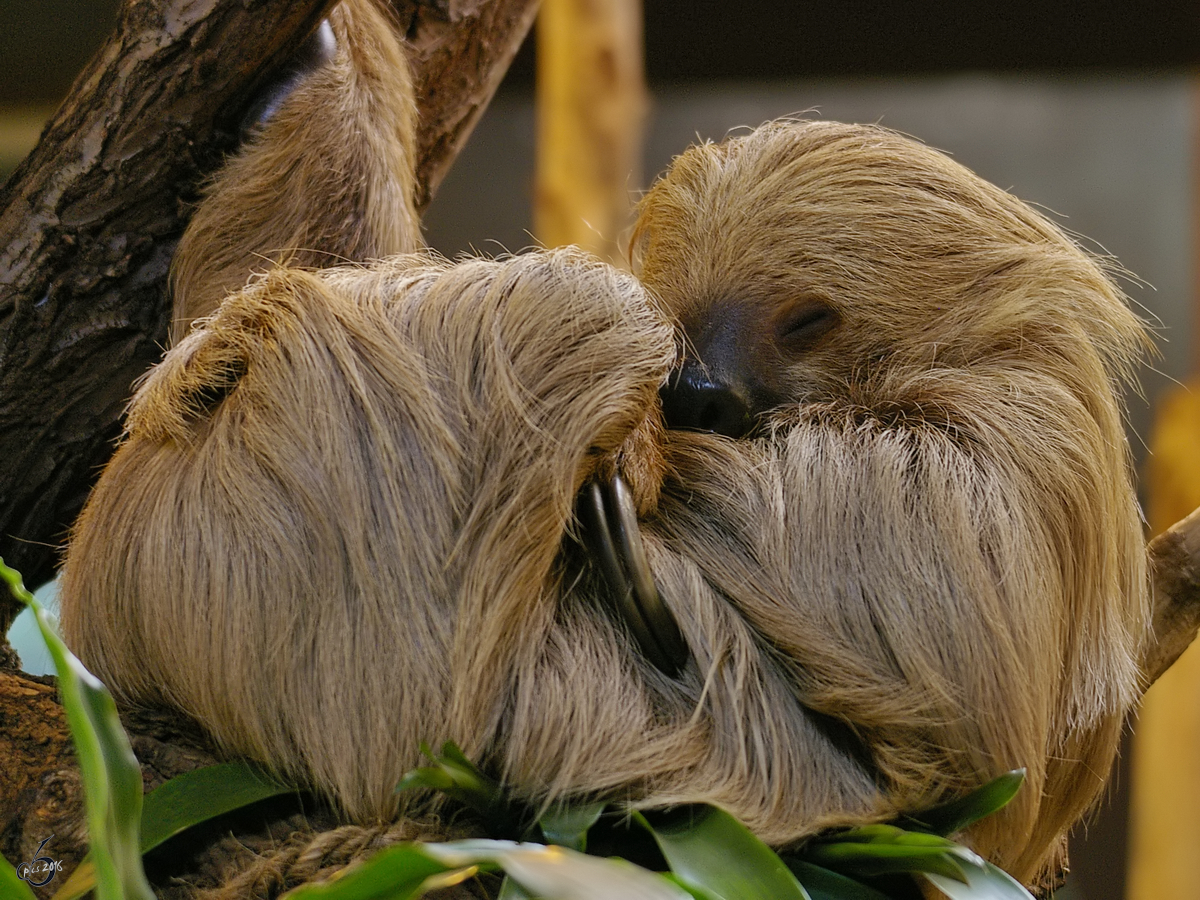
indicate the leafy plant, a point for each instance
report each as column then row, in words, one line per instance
column 112, row 779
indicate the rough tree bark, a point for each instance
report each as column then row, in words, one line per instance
column 89, row 221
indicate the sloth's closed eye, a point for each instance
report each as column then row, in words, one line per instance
column 802, row 326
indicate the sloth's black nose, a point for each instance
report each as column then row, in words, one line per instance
column 693, row 400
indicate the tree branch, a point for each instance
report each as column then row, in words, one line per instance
column 461, row 50
column 1175, row 580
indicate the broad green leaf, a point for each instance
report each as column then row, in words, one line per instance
column 695, row 892
column 553, row 873
column 824, row 884
column 203, row 794
column 182, row 802
column 397, row 873
column 556, row 873
column 11, row 885
column 112, row 779
column 864, row 860
column 958, row 814
column 568, row 826
column 709, row 849
column 986, row 882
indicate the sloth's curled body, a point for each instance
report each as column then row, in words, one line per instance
column 340, row 521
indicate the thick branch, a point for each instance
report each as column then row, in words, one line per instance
column 89, row 221
column 462, row 49
column 1175, row 577
column 87, row 226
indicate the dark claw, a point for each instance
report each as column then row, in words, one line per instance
column 613, row 540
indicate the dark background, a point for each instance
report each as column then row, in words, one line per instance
column 43, row 43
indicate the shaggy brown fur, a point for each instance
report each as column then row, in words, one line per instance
column 938, row 539
column 328, row 178
column 335, row 527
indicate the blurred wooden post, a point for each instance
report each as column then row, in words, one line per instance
column 591, row 102
column 1164, row 814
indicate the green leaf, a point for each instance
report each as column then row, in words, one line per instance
column 460, row 779
column 11, row 885
column 711, row 850
column 695, row 892
column 552, row 873
column 397, row 873
column 958, row 814
column 568, row 826
column 985, row 882
column 112, row 779
column 203, row 794
column 182, row 802
column 556, row 873
column 871, row 860
column 824, row 884
column 885, row 834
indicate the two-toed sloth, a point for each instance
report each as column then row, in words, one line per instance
column 889, row 505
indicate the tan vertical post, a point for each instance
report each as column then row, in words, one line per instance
column 591, row 102
column 1164, row 812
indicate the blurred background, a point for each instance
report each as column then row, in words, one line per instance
column 1087, row 110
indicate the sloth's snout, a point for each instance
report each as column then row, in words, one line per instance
column 695, row 400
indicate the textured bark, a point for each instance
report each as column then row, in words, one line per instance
column 1175, row 569
column 461, row 49
column 89, row 221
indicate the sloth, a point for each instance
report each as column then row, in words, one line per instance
column 920, row 377
column 822, row 515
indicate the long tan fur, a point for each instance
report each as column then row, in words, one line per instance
column 336, row 525
column 953, row 560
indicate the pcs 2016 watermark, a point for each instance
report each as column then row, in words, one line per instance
column 39, row 870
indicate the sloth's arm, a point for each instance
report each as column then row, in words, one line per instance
column 326, row 175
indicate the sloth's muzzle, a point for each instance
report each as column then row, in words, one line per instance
column 613, row 541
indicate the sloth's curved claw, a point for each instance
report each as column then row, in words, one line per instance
column 613, row 540
column 319, row 48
